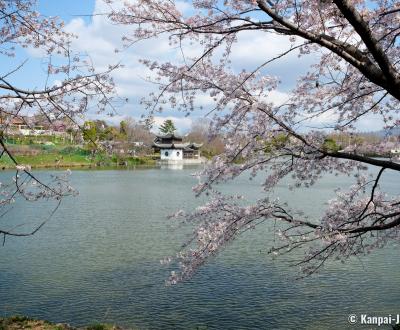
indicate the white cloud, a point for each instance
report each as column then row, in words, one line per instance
column 100, row 38
column 324, row 120
column 277, row 97
column 255, row 48
column 258, row 46
column 183, row 6
column 328, row 119
column 182, row 124
column 371, row 122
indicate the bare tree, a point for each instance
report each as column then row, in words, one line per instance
column 138, row 132
column 200, row 133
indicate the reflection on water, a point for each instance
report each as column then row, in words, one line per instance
column 172, row 166
column 98, row 261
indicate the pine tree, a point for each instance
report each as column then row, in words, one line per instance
column 167, row 127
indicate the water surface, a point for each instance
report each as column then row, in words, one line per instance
column 97, row 260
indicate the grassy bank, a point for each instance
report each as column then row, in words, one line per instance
column 62, row 156
column 21, row 322
column 70, row 161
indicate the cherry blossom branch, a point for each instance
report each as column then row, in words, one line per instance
column 355, row 74
column 366, row 35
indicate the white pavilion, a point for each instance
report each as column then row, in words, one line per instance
column 172, row 148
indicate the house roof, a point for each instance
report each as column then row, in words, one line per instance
column 13, row 120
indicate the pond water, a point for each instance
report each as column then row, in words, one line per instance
column 97, row 260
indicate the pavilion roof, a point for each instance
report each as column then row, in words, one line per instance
column 171, row 136
column 186, row 146
column 171, row 145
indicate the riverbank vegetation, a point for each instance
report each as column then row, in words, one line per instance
column 68, row 156
column 98, row 144
column 22, row 322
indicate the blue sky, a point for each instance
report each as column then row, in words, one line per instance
column 98, row 38
column 67, row 9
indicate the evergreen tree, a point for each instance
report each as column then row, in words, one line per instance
column 167, row 127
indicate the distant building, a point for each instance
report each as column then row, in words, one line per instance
column 172, row 148
column 395, row 151
column 395, row 154
column 32, row 126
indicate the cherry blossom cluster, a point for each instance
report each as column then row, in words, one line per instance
column 355, row 74
column 70, row 88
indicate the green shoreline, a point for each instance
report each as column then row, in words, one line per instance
column 22, row 322
column 75, row 166
column 58, row 161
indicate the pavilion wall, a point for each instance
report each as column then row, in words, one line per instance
column 171, row 154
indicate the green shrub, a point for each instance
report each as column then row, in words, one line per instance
column 74, row 150
column 18, row 318
column 47, row 148
column 97, row 327
column 330, row 145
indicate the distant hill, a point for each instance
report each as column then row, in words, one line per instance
column 383, row 133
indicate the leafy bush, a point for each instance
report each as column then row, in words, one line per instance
column 97, row 327
column 330, row 145
column 74, row 150
column 47, row 148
